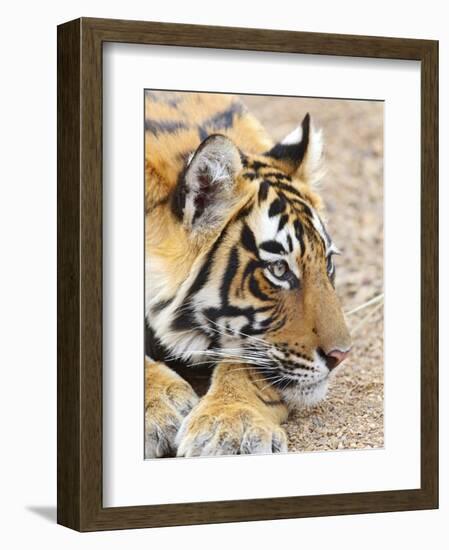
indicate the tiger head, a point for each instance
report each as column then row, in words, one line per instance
column 260, row 290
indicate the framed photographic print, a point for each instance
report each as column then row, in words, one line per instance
column 247, row 274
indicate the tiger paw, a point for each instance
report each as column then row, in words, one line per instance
column 214, row 428
column 168, row 400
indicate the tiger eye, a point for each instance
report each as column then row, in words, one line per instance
column 279, row 268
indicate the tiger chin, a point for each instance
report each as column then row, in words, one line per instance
column 239, row 277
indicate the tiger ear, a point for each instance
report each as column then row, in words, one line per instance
column 206, row 191
column 300, row 152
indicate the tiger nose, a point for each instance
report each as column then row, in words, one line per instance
column 335, row 357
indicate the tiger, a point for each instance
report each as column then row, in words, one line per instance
column 239, row 277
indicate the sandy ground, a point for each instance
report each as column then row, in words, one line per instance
column 352, row 415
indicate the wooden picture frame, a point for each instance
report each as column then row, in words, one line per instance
column 80, row 504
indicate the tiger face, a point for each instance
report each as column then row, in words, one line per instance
column 261, row 288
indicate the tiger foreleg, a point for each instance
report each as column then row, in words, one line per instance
column 240, row 414
column 168, row 400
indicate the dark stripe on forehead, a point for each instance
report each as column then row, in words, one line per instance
column 287, row 187
column 277, row 176
column 272, row 246
column 249, row 175
column 221, row 121
column 224, row 119
column 157, row 127
column 283, row 220
column 248, row 240
column 257, row 165
column 290, row 243
column 263, row 190
column 168, row 98
column 277, row 207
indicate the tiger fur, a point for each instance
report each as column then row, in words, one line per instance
column 239, row 277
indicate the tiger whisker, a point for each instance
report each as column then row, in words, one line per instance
column 265, row 378
column 242, row 358
column 238, row 349
column 227, row 353
column 251, row 368
column 221, row 331
column 233, row 361
column 225, row 362
column 278, row 379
